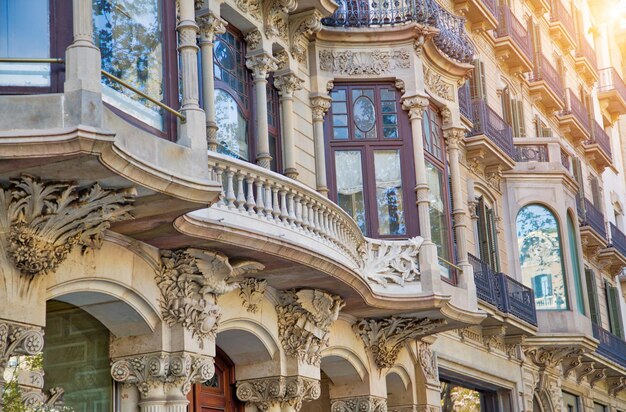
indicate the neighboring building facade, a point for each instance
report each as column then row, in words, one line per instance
column 412, row 205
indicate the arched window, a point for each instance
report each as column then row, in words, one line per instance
column 540, row 256
column 439, row 185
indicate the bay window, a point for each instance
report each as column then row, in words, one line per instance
column 370, row 162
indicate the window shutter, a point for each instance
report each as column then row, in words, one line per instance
column 482, row 230
column 578, row 177
column 615, row 318
column 493, row 240
column 508, row 114
column 474, row 81
column 521, row 122
column 592, row 296
column 483, row 82
column 595, row 193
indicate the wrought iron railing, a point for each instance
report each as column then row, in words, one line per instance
column 599, row 136
column 531, row 153
column 611, row 80
column 492, row 6
column 465, row 101
column 593, row 218
column 585, row 51
column 618, row 239
column 506, row 294
column 610, row 346
column 508, row 25
column 559, row 14
column 452, row 39
column 546, row 72
column 565, row 160
column 488, row 122
column 577, row 108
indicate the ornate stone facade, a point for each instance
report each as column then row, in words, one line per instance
column 18, row 340
column 290, row 390
column 353, row 62
column 252, row 291
column 386, row 262
column 359, row 404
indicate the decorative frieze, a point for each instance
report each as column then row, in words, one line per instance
column 359, row 404
column 190, row 281
column 46, row 219
column 265, row 392
column 435, row 83
column 385, row 262
column 353, row 62
column 304, row 320
column 384, row 338
column 251, row 292
column 162, row 370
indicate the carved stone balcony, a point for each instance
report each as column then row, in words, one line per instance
column 574, row 119
column 598, row 148
column 490, row 141
column 562, row 26
column 612, row 95
column 586, row 61
column 513, row 44
column 303, row 238
column 482, row 14
column 545, row 86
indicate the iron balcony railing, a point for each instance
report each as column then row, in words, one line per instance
column 576, row 108
column 506, row 294
column 546, row 72
column 492, row 6
column 599, row 136
column 618, row 239
column 566, row 161
column 452, row 39
column 611, row 80
column 585, row 51
column 610, row 346
column 531, row 153
column 558, row 13
column 592, row 217
column 465, row 101
column 508, row 25
column 489, row 123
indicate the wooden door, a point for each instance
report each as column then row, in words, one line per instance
column 218, row 393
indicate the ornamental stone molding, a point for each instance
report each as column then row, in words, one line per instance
column 275, row 14
column 415, row 105
column 385, row 262
column 385, row 337
column 38, row 400
column 434, row 83
column 550, row 356
column 163, row 370
column 190, row 280
column 615, row 384
column 428, row 361
column 302, row 28
column 265, row 392
column 454, row 136
column 319, row 107
column 46, row 219
column 304, row 320
column 252, row 7
column 18, row 340
column 253, row 39
column 210, row 25
column 261, row 65
column 287, row 84
column 282, row 59
column 251, row 292
column 359, row 404
column 355, row 62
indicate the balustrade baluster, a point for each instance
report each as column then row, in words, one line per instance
column 276, row 205
column 260, row 206
column 241, row 197
column 220, row 171
column 297, row 199
column 305, row 214
column 250, row 202
column 284, row 213
column 292, row 209
column 230, row 190
column 268, row 200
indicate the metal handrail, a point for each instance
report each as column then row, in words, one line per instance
column 450, row 264
column 104, row 73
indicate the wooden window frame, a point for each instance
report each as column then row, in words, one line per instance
column 367, row 147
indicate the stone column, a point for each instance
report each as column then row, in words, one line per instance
column 359, row 404
column 454, row 138
column 429, row 265
column 287, row 84
column 319, row 106
column 210, row 25
column 163, row 379
column 192, row 130
column 261, row 64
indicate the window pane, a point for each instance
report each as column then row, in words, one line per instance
column 130, row 38
column 24, row 32
column 350, row 185
column 540, row 256
column 571, row 234
column 229, row 65
column 232, row 135
column 389, row 192
column 439, row 218
column 363, row 114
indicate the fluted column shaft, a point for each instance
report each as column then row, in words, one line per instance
column 188, row 50
column 287, row 84
column 319, row 107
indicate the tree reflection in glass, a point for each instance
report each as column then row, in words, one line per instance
column 540, row 256
column 364, row 114
column 130, row 38
column 233, row 129
column 439, row 220
column 350, row 185
column 389, row 192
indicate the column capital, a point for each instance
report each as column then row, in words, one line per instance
column 161, row 371
column 263, row 393
column 454, row 137
column 261, row 64
column 320, row 105
column 287, row 84
column 415, row 105
column 210, row 25
column 18, row 339
column 359, row 404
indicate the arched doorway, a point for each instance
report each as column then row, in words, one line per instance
column 216, row 394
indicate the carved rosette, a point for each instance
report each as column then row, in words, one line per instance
column 354, row 62
column 190, row 281
column 210, row 25
column 385, row 262
column 299, row 389
column 163, row 370
column 319, row 107
column 18, row 340
column 265, row 392
column 287, row 84
column 384, row 338
column 359, row 404
column 304, row 320
column 251, row 292
column 302, row 28
column 261, row 65
column 45, row 220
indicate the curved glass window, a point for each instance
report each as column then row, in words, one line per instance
column 540, row 255
column 573, row 247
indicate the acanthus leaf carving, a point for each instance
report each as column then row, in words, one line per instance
column 287, row 84
column 359, row 404
column 391, row 261
column 319, row 107
column 45, row 220
column 434, row 82
column 253, row 39
column 251, row 292
column 252, row 7
column 18, row 340
column 354, row 62
column 302, row 28
column 384, row 338
column 210, row 25
column 427, row 361
column 275, row 17
column 190, row 280
column 304, row 320
column 262, row 392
